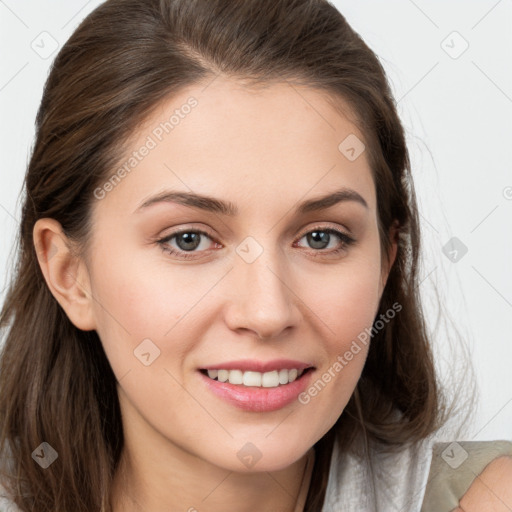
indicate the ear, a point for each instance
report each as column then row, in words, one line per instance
column 389, row 259
column 65, row 273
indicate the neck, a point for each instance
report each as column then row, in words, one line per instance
column 202, row 487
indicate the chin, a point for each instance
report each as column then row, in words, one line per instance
column 260, row 457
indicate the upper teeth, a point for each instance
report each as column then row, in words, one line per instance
column 266, row 380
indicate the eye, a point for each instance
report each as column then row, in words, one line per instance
column 320, row 237
column 187, row 242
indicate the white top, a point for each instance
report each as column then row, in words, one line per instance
column 400, row 480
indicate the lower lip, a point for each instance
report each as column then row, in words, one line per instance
column 258, row 399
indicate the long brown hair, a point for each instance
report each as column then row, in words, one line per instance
column 56, row 384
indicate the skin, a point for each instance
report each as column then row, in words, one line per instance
column 491, row 490
column 264, row 150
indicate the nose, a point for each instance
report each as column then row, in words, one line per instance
column 263, row 299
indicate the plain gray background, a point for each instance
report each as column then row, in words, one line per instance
column 450, row 67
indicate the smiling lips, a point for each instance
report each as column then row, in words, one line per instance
column 256, row 385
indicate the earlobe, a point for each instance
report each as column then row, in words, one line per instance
column 65, row 273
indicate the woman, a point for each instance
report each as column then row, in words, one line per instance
column 216, row 302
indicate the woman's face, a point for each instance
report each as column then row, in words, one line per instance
column 268, row 289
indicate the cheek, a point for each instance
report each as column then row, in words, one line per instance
column 347, row 302
column 142, row 295
column 138, row 299
column 347, row 308
column 132, row 304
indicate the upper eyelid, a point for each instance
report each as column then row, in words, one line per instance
column 187, row 230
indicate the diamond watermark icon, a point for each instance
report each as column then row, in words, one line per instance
column 455, row 249
column 249, row 455
column 454, row 455
column 146, row 352
column 352, row 147
column 249, row 250
column 44, row 455
column 454, row 45
column 44, row 45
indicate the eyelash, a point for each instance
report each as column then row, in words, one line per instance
column 346, row 241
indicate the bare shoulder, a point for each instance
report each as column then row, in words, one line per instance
column 491, row 490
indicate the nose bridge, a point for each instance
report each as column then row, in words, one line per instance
column 263, row 301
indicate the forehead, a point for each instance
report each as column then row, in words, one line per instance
column 224, row 138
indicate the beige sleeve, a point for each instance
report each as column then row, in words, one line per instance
column 453, row 469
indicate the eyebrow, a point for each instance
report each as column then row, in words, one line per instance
column 227, row 208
